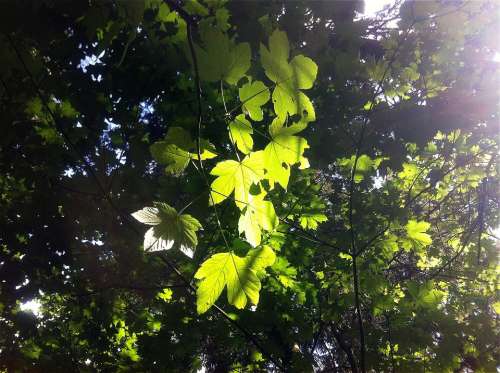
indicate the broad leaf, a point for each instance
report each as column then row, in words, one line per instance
column 237, row 273
column 312, row 214
column 240, row 131
column 284, row 150
column 290, row 77
column 177, row 149
column 416, row 231
column 253, row 95
column 238, row 177
column 259, row 215
column 221, row 58
column 170, row 229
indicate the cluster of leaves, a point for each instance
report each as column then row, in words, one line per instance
column 334, row 175
column 253, row 174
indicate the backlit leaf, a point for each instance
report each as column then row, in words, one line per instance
column 238, row 177
column 177, row 149
column 238, row 274
column 241, row 131
column 222, row 58
column 170, row 229
column 284, row 150
column 290, row 77
column 416, row 231
column 253, row 95
column 259, row 215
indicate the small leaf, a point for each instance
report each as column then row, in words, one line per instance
column 496, row 307
column 312, row 214
column 286, row 273
column 165, row 295
column 364, row 164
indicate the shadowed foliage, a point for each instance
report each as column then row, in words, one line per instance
column 240, row 186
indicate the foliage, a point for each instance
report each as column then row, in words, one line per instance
column 334, row 175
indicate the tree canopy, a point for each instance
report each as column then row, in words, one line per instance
column 239, row 186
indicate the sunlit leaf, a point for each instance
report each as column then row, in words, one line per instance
column 237, row 273
column 284, row 150
column 290, row 77
column 170, row 229
column 253, row 95
column 238, row 177
column 259, row 215
column 241, row 131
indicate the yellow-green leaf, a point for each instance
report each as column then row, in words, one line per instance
column 238, row 177
column 284, row 150
column 290, row 77
column 416, row 231
column 259, row 215
column 253, row 96
column 240, row 131
column 238, row 274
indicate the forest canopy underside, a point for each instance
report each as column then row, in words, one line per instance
column 242, row 186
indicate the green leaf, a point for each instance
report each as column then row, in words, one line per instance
column 177, row 149
column 284, row 150
column 291, row 102
column 415, row 231
column 241, row 131
column 312, row 215
column 261, row 258
column 286, row 273
column 170, row 229
column 194, row 7
column 364, row 165
column 238, row 177
column 290, row 77
column 253, row 96
column 259, row 215
column 165, row 295
column 221, row 58
column 496, row 307
column 237, row 273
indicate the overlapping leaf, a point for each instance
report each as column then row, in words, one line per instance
column 253, row 95
column 241, row 131
column 259, row 215
column 238, row 177
column 222, row 58
column 284, row 150
column 312, row 214
column 177, row 149
column 290, row 77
